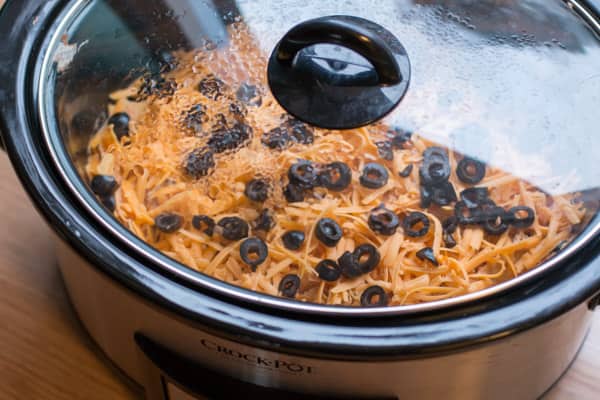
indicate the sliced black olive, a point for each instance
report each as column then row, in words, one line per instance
column 234, row 228
column 204, row 223
column 248, row 94
column 426, row 194
column 486, row 205
column 230, row 139
column 355, row 264
column 293, row 193
column 434, row 153
column 328, row 232
column 264, row 222
column 304, row 174
column 518, row 220
column 276, row 139
column 405, row 173
column 374, row 176
column 434, row 171
column 292, row 240
column 436, row 166
column 253, row 251
column 289, row 285
column 474, row 196
column 199, row 162
column 495, row 221
column 372, row 259
column 219, row 124
column 109, row 202
column 166, row 87
column 463, row 213
column 384, row 149
column 426, row 254
column 236, row 110
column 195, row 117
column 148, row 87
column 468, row 216
column 412, row 220
column 335, row 176
column 485, row 209
column 103, row 185
column 290, row 132
column 168, row 222
column 349, row 265
column 211, row 87
column 328, row 270
column 470, row 170
column 154, row 85
column 300, row 133
column 384, row 221
column 120, row 123
column 443, row 193
column 449, row 240
column 450, row 224
column 374, row 296
column 257, row 190
column 399, row 138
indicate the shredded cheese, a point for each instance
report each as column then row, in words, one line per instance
column 148, row 167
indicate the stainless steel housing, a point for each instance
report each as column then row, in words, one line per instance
column 520, row 366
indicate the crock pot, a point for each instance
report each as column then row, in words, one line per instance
column 526, row 67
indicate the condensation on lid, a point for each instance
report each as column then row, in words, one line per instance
column 514, row 83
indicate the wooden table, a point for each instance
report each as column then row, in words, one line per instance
column 45, row 353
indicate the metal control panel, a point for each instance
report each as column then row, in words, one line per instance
column 170, row 376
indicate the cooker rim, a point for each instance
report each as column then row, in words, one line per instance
column 424, row 334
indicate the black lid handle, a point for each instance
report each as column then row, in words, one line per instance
column 347, row 33
column 333, row 89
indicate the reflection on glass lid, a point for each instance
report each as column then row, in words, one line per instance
column 473, row 179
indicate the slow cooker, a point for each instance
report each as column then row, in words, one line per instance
column 485, row 75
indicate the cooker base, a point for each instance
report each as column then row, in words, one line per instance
column 499, row 370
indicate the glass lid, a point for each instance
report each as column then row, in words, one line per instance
column 403, row 153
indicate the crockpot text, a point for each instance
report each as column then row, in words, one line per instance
column 280, row 365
